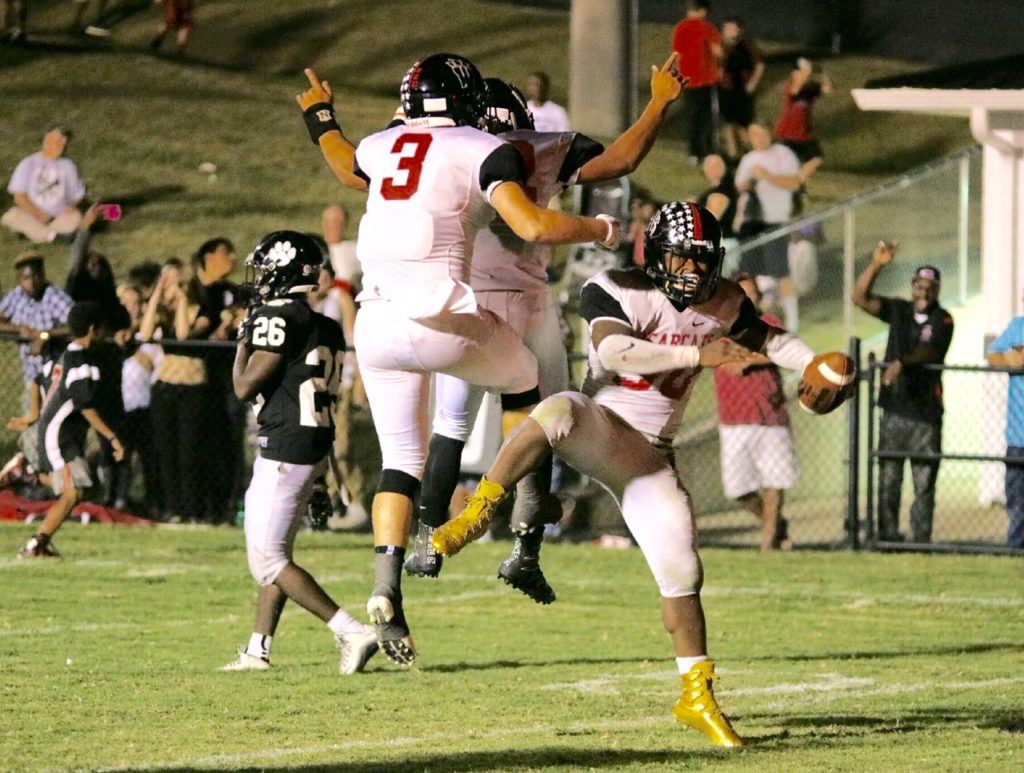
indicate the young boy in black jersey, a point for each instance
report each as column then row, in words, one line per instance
column 289, row 363
column 68, row 413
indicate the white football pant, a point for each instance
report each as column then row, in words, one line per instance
column 397, row 355
column 534, row 317
column 655, row 506
column 274, row 505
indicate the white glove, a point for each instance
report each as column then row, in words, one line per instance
column 611, row 241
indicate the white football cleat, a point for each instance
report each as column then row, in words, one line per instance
column 356, row 650
column 246, row 662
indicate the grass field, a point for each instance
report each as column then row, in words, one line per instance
column 829, row 661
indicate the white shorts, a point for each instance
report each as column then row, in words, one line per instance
column 397, row 355
column 274, row 504
column 534, row 317
column 654, row 504
column 756, row 457
column 72, row 474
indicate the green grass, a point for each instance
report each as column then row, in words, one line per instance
column 829, row 661
column 145, row 123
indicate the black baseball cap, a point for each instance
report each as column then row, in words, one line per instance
column 930, row 273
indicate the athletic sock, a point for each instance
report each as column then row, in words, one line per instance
column 531, row 492
column 440, row 477
column 343, row 623
column 387, row 571
column 259, row 645
column 686, row 664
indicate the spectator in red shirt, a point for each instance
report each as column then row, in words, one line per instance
column 758, row 462
column 794, row 125
column 698, row 43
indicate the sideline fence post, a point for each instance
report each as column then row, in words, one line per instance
column 869, row 524
column 849, row 257
column 853, row 456
column 965, row 211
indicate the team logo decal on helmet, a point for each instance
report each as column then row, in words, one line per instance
column 505, row 107
column 284, row 262
column 442, row 90
column 688, row 231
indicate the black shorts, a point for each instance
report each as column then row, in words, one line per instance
column 805, row 150
column 771, row 259
column 736, row 106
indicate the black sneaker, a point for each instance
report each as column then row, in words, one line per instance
column 392, row 631
column 523, row 573
column 424, row 561
column 38, row 546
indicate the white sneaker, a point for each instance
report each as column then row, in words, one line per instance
column 246, row 662
column 356, row 650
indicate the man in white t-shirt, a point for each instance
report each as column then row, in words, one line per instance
column 547, row 115
column 46, row 189
column 767, row 178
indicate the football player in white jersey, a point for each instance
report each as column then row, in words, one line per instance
column 509, row 277
column 432, row 182
column 652, row 330
column 289, row 363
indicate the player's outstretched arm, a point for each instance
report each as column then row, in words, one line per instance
column 317, row 103
column 624, row 155
column 547, row 226
column 621, row 351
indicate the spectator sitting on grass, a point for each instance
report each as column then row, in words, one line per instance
column 46, row 189
column 35, row 309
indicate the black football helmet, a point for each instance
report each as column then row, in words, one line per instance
column 442, row 90
column 283, row 263
column 686, row 230
column 505, row 107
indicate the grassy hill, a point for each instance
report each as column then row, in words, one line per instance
column 144, row 123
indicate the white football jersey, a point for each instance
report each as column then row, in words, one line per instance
column 653, row 404
column 503, row 261
column 429, row 192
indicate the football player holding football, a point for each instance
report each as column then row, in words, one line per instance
column 652, row 330
column 289, row 363
column 432, row 181
column 509, row 277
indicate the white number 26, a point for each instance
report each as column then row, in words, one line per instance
column 268, row 331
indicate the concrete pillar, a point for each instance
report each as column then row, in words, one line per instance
column 602, row 66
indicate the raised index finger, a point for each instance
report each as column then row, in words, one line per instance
column 672, row 59
column 313, row 80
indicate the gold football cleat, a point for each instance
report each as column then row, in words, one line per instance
column 697, row 707
column 472, row 522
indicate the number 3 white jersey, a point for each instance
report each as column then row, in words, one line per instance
column 503, row 261
column 295, row 408
column 429, row 193
column 653, row 404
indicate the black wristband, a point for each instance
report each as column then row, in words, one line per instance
column 319, row 120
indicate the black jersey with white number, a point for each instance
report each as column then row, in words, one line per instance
column 62, row 427
column 295, row 408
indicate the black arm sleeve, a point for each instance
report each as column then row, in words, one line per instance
column 597, row 303
column 504, row 164
column 580, row 152
column 749, row 329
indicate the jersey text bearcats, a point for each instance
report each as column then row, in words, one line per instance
column 436, row 184
column 654, row 404
column 295, row 408
column 62, row 427
column 503, row 261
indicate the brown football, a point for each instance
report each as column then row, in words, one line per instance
column 827, row 382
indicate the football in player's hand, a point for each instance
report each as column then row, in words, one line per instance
column 827, row 382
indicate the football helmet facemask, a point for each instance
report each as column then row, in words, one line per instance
column 283, row 263
column 442, row 90
column 505, row 107
column 687, row 231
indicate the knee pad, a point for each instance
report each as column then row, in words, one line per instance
column 264, row 565
column 398, row 482
column 555, row 416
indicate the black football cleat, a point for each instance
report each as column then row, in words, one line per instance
column 523, row 573
column 424, row 561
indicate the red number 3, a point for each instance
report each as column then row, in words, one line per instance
column 412, row 165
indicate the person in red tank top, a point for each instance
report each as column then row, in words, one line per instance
column 758, row 461
column 793, row 128
column 698, row 43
